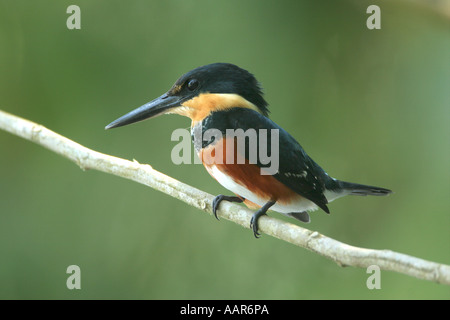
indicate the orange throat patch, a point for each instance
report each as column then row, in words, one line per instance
column 199, row 107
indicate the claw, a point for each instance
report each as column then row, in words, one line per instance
column 257, row 215
column 215, row 204
column 254, row 226
column 217, row 200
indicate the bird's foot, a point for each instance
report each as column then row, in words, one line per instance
column 257, row 215
column 254, row 223
column 217, row 200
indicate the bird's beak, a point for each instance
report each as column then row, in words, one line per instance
column 152, row 109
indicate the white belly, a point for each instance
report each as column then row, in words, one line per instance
column 297, row 206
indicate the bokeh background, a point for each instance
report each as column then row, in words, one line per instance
column 369, row 106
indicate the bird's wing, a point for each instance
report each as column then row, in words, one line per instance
column 296, row 169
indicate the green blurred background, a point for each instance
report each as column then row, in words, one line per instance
column 369, row 106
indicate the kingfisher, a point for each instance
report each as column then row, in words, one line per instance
column 223, row 98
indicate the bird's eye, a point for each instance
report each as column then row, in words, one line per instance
column 192, row 84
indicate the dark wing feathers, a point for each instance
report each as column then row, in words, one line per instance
column 299, row 172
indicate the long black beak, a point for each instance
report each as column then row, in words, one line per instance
column 148, row 110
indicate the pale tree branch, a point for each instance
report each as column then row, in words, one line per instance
column 341, row 253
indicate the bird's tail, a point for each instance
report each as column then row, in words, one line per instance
column 363, row 190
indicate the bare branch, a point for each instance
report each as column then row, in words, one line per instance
column 341, row 253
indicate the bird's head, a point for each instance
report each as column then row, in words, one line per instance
column 197, row 93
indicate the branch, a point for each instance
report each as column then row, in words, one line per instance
column 341, row 253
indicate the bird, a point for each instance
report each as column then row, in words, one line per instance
column 224, row 98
